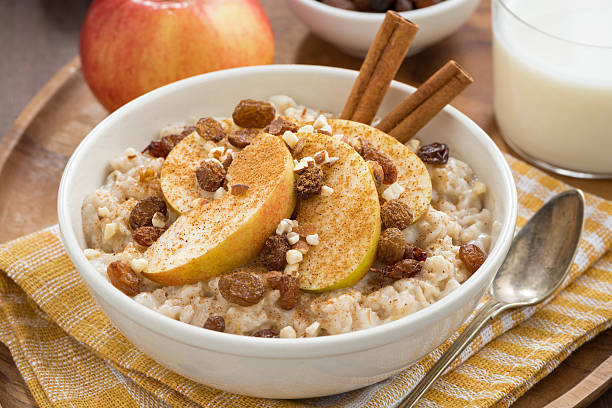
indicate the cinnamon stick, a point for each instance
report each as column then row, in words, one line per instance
column 379, row 67
column 415, row 111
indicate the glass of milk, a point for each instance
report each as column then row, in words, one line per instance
column 552, row 63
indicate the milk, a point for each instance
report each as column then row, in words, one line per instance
column 553, row 96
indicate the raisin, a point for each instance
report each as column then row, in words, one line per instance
column 250, row 113
column 395, row 214
column 414, row 252
column 377, row 172
column 143, row 212
column 472, row 257
column 362, row 5
column 343, row 4
column 289, row 292
column 239, row 189
column 279, row 126
column 187, row 130
column 380, row 6
column 123, row 278
column 391, row 246
column 210, row 175
column 241, row 288
column 406, row 268
column 434, row 153
column 425, row 3
column 216, row 323
column 163, row 146
column 404, row 5
column 309, row 181
column 241, row 138
column 273, row 252
column 210, row 129
column 389, row 169
column 273, row 279
column 146, row 236
column 266, row 333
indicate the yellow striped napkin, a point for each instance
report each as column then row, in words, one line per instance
column 71, row 356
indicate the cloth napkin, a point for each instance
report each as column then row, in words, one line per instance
column 70, row 355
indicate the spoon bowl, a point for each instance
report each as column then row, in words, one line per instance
column 542, row 252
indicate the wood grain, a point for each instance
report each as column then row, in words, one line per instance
column 54, row 123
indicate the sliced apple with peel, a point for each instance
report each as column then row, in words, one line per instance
column 347, row 221
column 412, row 172
column 218, row 236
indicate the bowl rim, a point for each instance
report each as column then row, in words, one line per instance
column 362, row 16
column 333, row 345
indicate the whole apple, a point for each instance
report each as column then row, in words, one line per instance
column 130, row 47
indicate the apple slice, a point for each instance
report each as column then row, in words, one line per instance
column 220, row 235
column 412, row 172
column 347, row 221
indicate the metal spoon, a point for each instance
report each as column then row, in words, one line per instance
column 537, row 263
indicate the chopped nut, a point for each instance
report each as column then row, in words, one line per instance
column 273, row 254
column 146, row 236
column 290, row 138
column 331, row 160
column 313, row 329
column 479, row 188
column 250, row 113
column 239, row 189
column 320, row 122
column 472, row 257
column 266, row 333
column 229, row 157
column 139, row 264
column 241, row 288
column 210, row 175
column 163, row 146
column 103, row 212
column 393, row 192
column 320, row 157
column 391, row 246
column 389, row 168
column 273, row 279
column 377, row 172
column 414, row 252
column 326, row 191
column 395, row 214
column 130, row 153
column 301, row 246
column 287, row 332
column 292, row 237
column 306, row 129
column 241, row 138
column 279, row 126
column 293, row 256
column 406, row 268
column 158, row 220
column 291, row 269
column 123, row 278
column 110, row 230
column 297, row 149
column 309, row 182
column 284, row 226
column 327, row 129
column 210, row 129
column 312, row 239
column 143, row 212
column 302, row 164
column 220, row 192
column 289, row 292
column 216, row 152
column 216, row 323
column 91, row 253
column 305, row 229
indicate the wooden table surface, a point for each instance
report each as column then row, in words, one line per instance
column 38, row 36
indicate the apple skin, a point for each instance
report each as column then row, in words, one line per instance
column 130, row 47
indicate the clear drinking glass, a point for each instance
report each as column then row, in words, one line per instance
column 552, row 64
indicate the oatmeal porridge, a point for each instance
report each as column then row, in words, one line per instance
column 416, row 230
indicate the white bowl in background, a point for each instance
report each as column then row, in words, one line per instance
column 354, row 31
column 278, row 368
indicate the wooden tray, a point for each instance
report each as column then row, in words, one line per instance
column 34, row 152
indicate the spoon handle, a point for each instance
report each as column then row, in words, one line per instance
column 489, row 311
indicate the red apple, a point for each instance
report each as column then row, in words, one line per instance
column 129, row 47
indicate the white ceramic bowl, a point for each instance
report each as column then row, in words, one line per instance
column 354, row 31
column 277, row 368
